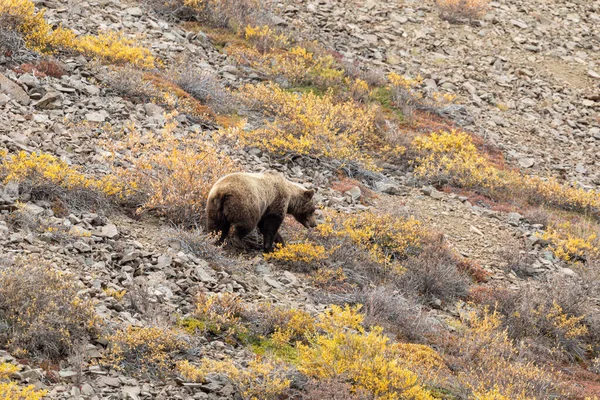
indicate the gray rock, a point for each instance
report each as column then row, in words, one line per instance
column 82, row 247
column 386, row 187
column 354, row 192
column 47, row 100
column 109, row 231
column 135, row 11
column 593, row 74
column 13, row 90
column 514, row 218
column 95, row 117
column 526, row 162
column 131, row 392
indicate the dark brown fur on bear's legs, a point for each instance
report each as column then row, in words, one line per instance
column 268, row 226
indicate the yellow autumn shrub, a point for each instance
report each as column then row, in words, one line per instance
column 452, row 157
column 167, row 173
column 39, row 169
column 297, row 64
column 305, row 252
column 573, row 242
column 344, row 349
column 311, row 125
column 262, row 379
column 492, row 365
column 145, row 351
column 387, row 239
column 42, row 310
column 11, row 390
column 457, row 10
column 39, row 36
column 264, row 38
column 220, row 313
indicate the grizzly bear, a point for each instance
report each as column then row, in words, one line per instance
column 249, row 200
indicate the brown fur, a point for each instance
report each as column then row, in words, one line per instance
column 246, row 201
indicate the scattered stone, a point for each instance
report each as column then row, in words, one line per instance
column 95, row 117
column 13, row 90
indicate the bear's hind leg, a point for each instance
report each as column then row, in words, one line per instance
column 224, row 232
column 239, row 234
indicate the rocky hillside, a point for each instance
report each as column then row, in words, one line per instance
column 454, row 147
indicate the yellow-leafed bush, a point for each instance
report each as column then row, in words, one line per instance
column 261, row 379
column 114, row 47
column 264, row 39
column 220, row 312
column 43, row 310
column 387, row 239
column 310, row 125
column 405, row 95
column 572, row 242
column 298, row 65
column 20, row 16
column 298, row 253
column 40, row 169
column 11, row 391
column 145, row 351
column 452, row 157
column 169, row 174
column 489, row 363
column 343, row 348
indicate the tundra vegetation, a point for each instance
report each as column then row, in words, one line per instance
column 378, row 272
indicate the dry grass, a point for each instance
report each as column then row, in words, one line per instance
column 205, row 87
column 456, row 11
column 333, row 389
column 434, row 274
column 558, row 320
column 232, row 14
column 41, row 310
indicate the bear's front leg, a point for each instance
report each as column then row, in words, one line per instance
column 278, row 239
column 269, row 226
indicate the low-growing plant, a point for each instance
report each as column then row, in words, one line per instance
column 387, row 240
column 20, row 17
column 398, row 313
column 487, row 361
column 343, row 348
column 298, row 255
column 11, row 390
column 310, row 125
column 573, row 242
column 461, row 10
column 266, row 319
column 44, row 176
column 232, row 14
column 42, row 311
column 298, row 65
column 264, row 38
column 167, row 174
column 452, row 157
column 261, row 379
column 219, row 314
column 556, row 319
column 205, row 87
column 145, row 351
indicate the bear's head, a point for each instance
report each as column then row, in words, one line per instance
column 304, row 209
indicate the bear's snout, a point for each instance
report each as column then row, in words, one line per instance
column 310, row 222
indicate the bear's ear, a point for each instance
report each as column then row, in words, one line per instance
column 308, row 194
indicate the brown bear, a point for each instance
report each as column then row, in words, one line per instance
column 249, row 200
